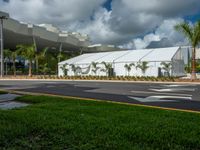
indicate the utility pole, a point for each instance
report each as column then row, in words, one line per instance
column 2, row 18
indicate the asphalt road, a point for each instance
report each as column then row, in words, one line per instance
column 180, row 96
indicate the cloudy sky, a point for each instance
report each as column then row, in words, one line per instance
column 126, row 23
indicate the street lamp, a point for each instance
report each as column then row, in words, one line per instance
column 2, row 18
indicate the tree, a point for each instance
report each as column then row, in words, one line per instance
column 7, row 56
column 94, row 67
column 11, row 55
column 40, row 56
column 28, row 52
column 128, row 67
column 75, row 68
column 60, row 56
column 107, row 67
column 54, row 57
column 192, row 33
column 64, row 69
column 166, row 67
column 143, row 66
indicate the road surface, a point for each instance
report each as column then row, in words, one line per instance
column 179, row 96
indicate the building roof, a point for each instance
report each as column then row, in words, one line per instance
column 46, row 35
column 159, row 54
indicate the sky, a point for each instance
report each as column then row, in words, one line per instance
column 129, row 24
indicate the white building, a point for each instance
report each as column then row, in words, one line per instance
column 82, row 65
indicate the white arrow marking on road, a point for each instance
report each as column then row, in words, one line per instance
column 159, row 98
column 174, row 85
column 174, row 89
column 175, row 94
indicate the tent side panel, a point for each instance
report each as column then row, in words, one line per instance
column 178, row 64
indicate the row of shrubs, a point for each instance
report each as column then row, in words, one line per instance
column 121, row 78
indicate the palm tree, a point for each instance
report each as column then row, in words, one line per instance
column 28, row 52
column 40, row 56
column 55, row 58
column 75, row 68
column 128, row 67
column 95, row 68
column 107, row 67
column 192, row 33
column 64, row 69
column 11, row 55
column 143, row 66
column 7, row 55
column 167, row 67
column 60, row 56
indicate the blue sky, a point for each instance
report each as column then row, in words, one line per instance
column 193, row 18
column 107, row 5
column 129, row 24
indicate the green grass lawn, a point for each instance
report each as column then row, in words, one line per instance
column 58, row 123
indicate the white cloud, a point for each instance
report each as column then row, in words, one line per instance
column 142, row 16
column 58, row 12
column 98, row 28
column 127, row 22
column 165, row 30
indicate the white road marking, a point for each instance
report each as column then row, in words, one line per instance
column 159, row 98
column 176, row 85
column 148, row 92
column 173, row 89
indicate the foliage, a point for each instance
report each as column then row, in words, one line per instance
column 29, row 53
column 143, row 66
column 64, row 69
column 107, row 67
column 11, row 55
column 122, row 78
column 94, row 67
column 128, row 67
column 75, row 68
column 40, row 59
column 166, row 67
column 7, row 53
column 192, row 33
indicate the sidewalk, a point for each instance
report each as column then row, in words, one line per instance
column 7, row 102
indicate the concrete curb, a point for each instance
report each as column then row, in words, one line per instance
column 99, row 100
column 106, row 81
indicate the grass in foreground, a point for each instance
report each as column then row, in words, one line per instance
column 58, row 123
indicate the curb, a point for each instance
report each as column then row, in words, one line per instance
column 103, row 81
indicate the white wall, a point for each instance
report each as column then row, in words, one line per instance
column 119, row 70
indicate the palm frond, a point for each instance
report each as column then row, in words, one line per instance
column 185, row 29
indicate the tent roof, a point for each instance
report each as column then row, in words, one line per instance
column 162, row 54
column 113, row 56
column 134, row 55
column 93, row 58
column 159, row 54
column 75, row 59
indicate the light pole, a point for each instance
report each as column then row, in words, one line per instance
column 2, row 18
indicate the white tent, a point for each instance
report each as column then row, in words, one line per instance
column 82, row 65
